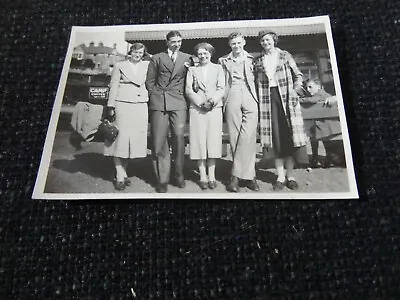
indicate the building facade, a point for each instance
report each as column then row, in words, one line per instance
column 307, row 43
column 103, row 57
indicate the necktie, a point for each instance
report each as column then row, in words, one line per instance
column 173, row 57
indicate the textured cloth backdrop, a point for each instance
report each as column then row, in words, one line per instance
column 200, row 249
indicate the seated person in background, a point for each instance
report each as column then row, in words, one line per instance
column 324, row 127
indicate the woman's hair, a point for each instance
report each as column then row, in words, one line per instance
column 314, row 80
column 173, row 33
column 273, row 34
column 137, row 46
column 210, row 48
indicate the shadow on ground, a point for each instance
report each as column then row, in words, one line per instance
column 94, row 164
column 98, row 166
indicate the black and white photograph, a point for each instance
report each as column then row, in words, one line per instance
column 227, row 109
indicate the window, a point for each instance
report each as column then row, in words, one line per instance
column 307, row 63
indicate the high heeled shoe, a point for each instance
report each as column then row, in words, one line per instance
column 212, row 184
column 278, row 185
column 127, row 181
column 203, row 185
column 119, row 185
column 292, row 184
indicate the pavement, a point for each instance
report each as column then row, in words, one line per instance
column 88, row 171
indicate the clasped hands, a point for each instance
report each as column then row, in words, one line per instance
column 208, row 105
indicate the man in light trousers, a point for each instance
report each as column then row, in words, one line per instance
column 241, row 112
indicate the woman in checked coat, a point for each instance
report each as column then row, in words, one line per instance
column 281, row 124
column 127, row 104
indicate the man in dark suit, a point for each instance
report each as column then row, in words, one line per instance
column 168, row 110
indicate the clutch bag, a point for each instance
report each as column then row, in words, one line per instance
column 109, row 130
column 195, row 85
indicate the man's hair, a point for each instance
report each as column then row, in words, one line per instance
column 314, row 80
column 173, row 33
column 234, row 35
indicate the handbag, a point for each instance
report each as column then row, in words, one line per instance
column 109, row 130
column 195, row 85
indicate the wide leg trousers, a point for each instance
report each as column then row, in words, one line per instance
column 161, row 122
column 241, row 114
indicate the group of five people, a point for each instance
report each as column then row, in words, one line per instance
column 253, row 92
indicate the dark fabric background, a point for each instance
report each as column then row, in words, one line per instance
column 200, row 249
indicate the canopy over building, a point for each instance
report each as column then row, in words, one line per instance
column 210, row 33
column 307, row 43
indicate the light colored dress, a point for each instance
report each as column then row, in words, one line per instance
column 129, row 96
column 205, row 128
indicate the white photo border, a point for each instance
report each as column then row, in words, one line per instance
column 38, row 191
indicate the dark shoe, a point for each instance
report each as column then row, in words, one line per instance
column 75, row 139
column 278, row 186
column 233, row 185
column 119, row 185
column 336, row 159
column 328, row 163
column 127, row 181
column 315, row 163
column 203, row 185
column 253, row 185
column 180, row 183
column 212, row 185
column 162, row 188
column 292, row 184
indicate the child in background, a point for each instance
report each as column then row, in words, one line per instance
column 328, row 130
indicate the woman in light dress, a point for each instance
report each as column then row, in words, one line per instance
column 127, row 105
column 205, row 89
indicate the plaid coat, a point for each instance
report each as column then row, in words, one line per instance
column 287, row 73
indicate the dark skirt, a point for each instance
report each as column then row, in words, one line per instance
column 282, row 137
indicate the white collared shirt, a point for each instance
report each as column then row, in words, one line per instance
column 240, row 58
column 270, row 62
column 171, row 54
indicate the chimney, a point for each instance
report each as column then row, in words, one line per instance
column 91, row 44
column 115, row 46
column 101, row 44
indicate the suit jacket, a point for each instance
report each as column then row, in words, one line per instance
column 210, row 87
column 166, row 81
column 227, row 64
column 128, row 84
